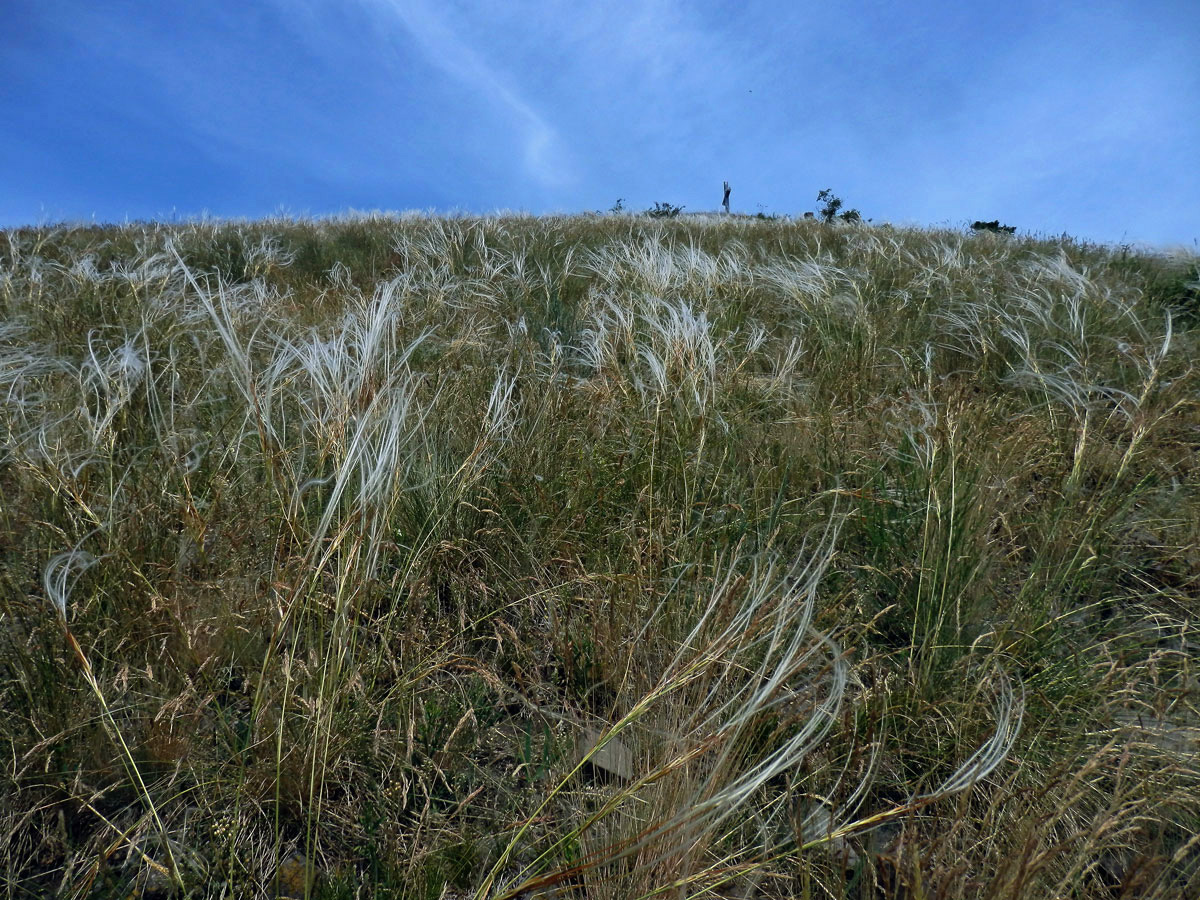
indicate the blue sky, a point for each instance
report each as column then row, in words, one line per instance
column 1079, row 117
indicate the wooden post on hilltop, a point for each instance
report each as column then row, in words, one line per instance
column 725, row 202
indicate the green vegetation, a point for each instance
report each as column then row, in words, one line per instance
column 993, row 226
column 833, row 203
column 596, row 556
column 664, row 211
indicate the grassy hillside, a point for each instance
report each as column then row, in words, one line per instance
column 596, row 556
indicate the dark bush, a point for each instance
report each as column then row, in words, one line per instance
column 664, row 211
column 993, row 226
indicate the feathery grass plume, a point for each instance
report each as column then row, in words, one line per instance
column 751, row 656
column 58, row 582
column 110, row 383
column 751, row 691
column 24, row 364
column 59, row 576
column 680, row 355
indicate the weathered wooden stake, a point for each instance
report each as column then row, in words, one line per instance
column 725, row 202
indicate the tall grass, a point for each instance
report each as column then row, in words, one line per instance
column 509, row 557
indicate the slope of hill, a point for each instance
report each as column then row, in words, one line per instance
column 596, row 556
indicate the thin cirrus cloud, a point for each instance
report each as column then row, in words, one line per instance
column 544, row 155
column 608, row 96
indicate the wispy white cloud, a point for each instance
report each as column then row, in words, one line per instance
column 648, row 96
column 545, row 156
